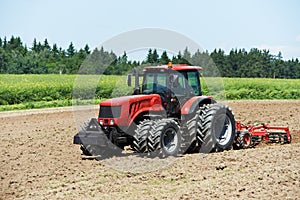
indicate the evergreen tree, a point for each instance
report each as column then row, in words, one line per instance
column 87, row 49
column 122, row 64
column 149, row 57
column 124, row 58
column 4, row 59
column 154, row 57
column 71, row 50
column 4, row 43
column 46, row 45
column 164, row 59
column 10, row 44
column 15, row 43
column 186, row 55
column 62, row 53
column 39, row 47
column 34, row 45
column 219, row 60
column 81, row 54
column 113, row 58
column 55, row 50
column 95, row 55
column 179, row 59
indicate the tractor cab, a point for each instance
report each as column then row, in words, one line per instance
column 175, row 84
column 182, row 80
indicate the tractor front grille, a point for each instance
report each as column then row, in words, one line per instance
column 110, row 111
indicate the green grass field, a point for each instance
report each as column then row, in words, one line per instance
column 38, row 91
column 260, row 88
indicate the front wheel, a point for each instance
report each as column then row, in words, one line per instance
column 141, row 135
column 216, row 129
column 165, row 138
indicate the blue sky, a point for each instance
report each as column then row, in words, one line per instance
column 268, row 24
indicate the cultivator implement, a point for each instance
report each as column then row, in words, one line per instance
column 250, row 135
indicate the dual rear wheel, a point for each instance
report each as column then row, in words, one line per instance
column 213, row 127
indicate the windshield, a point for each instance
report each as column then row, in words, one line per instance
column 182, row 84
column 154, row 82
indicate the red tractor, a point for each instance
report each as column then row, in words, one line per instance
column 167, row 116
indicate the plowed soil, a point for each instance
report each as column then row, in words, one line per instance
column 39, row 161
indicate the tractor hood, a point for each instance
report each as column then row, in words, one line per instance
column 119, row 101
column 122, row 111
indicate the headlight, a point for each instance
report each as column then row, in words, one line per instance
column 101, row 122
column 111, row 122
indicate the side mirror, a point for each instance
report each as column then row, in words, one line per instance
column 129, row 80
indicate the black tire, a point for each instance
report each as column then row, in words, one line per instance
column 140, row 137
column 216, row 128
column 245, row 140
column 199, row 134
column 189, row 141
column 165, row 138
column 235, row 144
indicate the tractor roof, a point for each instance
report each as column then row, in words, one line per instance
column 176, row 67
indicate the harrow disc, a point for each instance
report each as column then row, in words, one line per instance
column 278, row 137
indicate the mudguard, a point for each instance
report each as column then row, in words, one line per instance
column 193, row 104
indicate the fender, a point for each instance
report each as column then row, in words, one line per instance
column 192, row 104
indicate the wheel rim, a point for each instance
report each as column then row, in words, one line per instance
column 170, row 140
column 246, row 139
column 224, row 132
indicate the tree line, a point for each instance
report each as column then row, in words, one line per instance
column 41, row 58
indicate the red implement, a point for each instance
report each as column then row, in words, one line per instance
column 249, row 135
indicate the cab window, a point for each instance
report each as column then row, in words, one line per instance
column 193, row 81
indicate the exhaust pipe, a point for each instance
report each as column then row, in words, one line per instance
column 136, row 85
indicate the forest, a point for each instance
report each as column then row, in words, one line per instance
column 43, row 58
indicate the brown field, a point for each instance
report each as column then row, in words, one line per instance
column 39, row 161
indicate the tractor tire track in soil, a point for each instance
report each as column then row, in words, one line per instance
column 39, row 161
